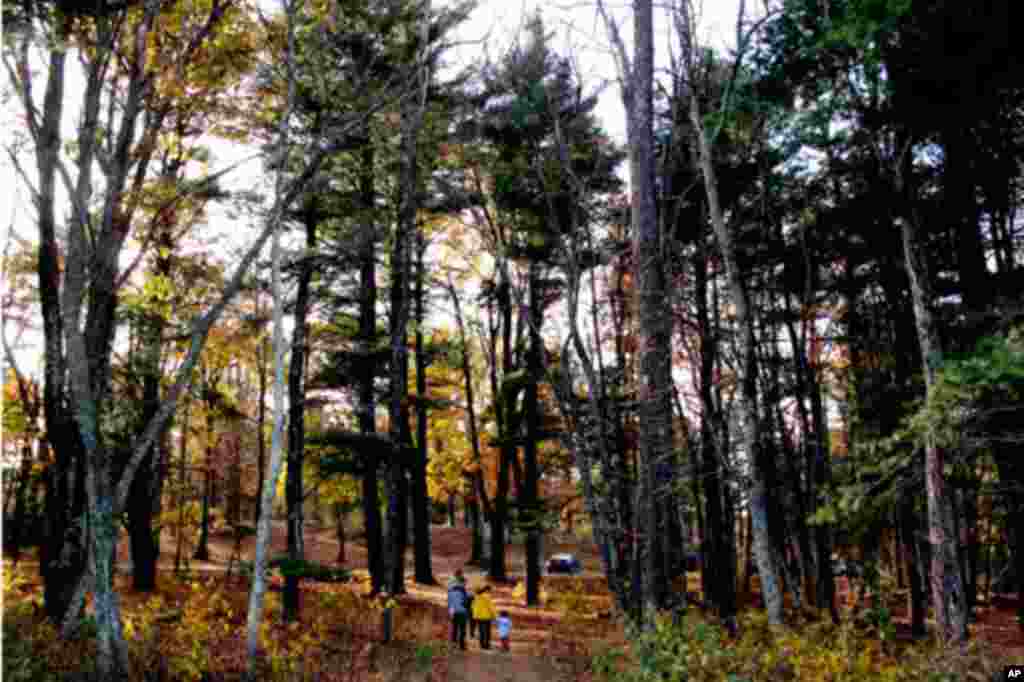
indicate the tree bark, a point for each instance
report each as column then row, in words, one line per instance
column 476, row 552
column 423, row 571
column 504, row 404
column 294, row 491
column 655, row 327
column 529, row 502
column 760, row 501
column 718, row 551
column 948, row 598
column 401, row 268
column 202, row 552
column 917, row 595
column 367, row 407
column 63, row 553
column 261, row 418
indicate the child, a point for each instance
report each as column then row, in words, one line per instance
column 469, row 613
column 483, row 614
column 504, row 627
column 457, row 599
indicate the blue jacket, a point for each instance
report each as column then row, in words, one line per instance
column 458, row 599
column 504, row 626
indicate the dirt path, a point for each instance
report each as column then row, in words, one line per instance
column 499, row 666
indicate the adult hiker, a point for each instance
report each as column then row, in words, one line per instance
column 469, row 613
column 458, row 599
column 483, row 613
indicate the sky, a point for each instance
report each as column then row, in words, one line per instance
column 577, row 29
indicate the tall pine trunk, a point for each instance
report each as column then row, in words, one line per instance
column 297, row 415
column 655, row 323
column 367, row 405
column 420, row 501
column 529, row 503
column 202, row 552
column 401, row 269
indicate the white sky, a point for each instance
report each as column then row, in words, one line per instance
column 578, row 30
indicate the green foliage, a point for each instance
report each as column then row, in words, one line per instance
column 310, row 570
column 976, row 398
column 972, row 396
column 425, row 654
column 690, row 649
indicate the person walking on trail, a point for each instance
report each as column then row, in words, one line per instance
column 458, row 599
column 483, row 613
column 504, row 629
column 469, row 613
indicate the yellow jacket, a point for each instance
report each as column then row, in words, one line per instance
column 483, row 607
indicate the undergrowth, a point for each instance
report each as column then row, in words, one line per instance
column 691, row 649
column 194, row 630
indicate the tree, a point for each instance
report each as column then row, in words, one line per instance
column 636, row 79
column 704, row 140
column 78, row 337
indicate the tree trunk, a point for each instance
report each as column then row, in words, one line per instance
column 655, row 326
column 917, row 596
column 112, row 651
column 63, row 551
column 948, row 597
column 183, row 486
column 144, row 538
column 339, row 527
column 203, row 548
column 529, row 503
column 760, row 501
column 505, row 416
column 261, row 422
column 144, row 498
column 401, row 268
column 476, row 553
column 17, row 533
column 294, row 491
column 477, row 501
column 257, row 592
column 420, row 500
column 748, row 553
column 1011, row 474
column 972, row 551
column 497, row 522
column 367, row 407
column 719, row 554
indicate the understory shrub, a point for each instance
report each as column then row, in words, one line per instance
column 691, row 649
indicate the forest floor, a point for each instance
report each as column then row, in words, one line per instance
column 536, row 637
column 996, row 619
column 545, row 646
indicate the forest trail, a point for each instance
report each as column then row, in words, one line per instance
column 499, row 666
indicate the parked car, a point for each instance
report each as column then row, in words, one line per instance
column 851, row 568
column 563, row 563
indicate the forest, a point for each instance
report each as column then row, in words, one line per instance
column 306, row 316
